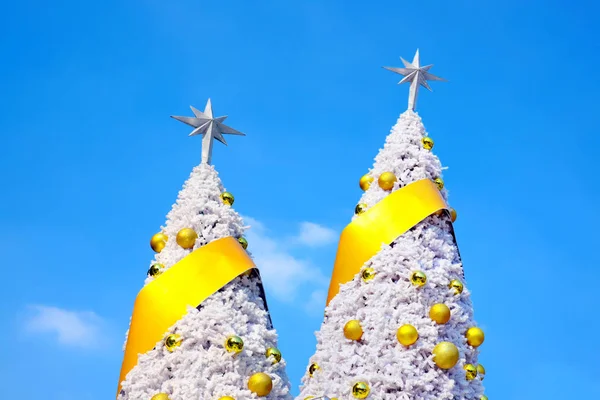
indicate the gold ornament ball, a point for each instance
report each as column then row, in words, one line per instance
column 234, row 344
column 360, row 390
column 353, row 330
column 386, row 180
column 155, row 269
column 312, row 368
column 453, row 214
column 439, row 182
column 160, row 396
column 440, row 313
column 365, row 182
column 475, row 336
column 470, row 371
column 158, row 242
column 360, row 208
column 480, row 371
column 456, row 286
column 226, row 398
column 418, row 278
column 445, row 355
column 427, row 143
column 272, row 351
column 227, row 198
column 367, row 274
column 186, row 238
column 483, row 397
column 260, row 383
column 243, row 242
column 407, row 335
column 172, row 341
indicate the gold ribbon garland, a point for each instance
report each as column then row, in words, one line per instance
column 189, row 282
column 382, row 224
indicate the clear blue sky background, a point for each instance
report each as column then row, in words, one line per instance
column 91, row 164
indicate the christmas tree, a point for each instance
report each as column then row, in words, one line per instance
column 399, row 320
column 200, row 327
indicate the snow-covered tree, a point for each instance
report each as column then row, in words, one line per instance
column 225, row 347
column 401, row 326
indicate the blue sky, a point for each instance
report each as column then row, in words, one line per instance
column 91, row 164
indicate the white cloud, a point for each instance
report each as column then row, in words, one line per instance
column 282, row 272
column 314, row 235
column 73, row 328
column 316, row 303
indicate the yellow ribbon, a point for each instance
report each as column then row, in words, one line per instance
column 382, row 224
column 164, row 301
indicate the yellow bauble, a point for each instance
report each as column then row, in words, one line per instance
column 243, row 242
column 470, row 371
column 312, row 368
column 439, row 182
column 440, row 313
column 407, row 335
column 155, row 269
column 353, row 330
column 483, row 397
column 234, row 344
column 158, row 242
column 453, row 214
column 186, row 238
column 367, row 274
column 427, row 143
column 475, row 336
column 480, row 371
column 365, row 182
column 456, row 286
column 226, row 398
column 260, row 383
column 418, row 278
column 160, row 396
column 172, row 341
column 227, row 198
column 272, row 351
column 360, row 390
column 445, row 355
column 386, row 180
column 360, row 208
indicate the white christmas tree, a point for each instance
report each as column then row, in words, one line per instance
column 224, row 347
column 399, row 321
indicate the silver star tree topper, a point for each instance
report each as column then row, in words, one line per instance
column 417, row 75
column 209, row 127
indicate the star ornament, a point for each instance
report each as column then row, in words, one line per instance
column 417, row 75
column 209, row 127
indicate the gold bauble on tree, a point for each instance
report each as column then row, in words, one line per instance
column 407, row 335
column 155, row 269
column 456, row 286
column 360, row 208
column 243, row 242
column 475, row 336
column 483, row 397
column 470, row 371
column 312, row 368
column 418, row 278
column 367, row 274
column 353, row 330
column 261, row 384
column 234, row 344
column 186, row 238
column 226, row 398
column 361, row 390
column 227, row 198
column 272, row 351
column 161, row 396
column 480, row 371
column 440, row 313
column 386, row 180
column 172, row 341
column 453, row 214
column 445, row 355
column 365, row 182
column 427, row 143
column 439, row 182
column 158, row 242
